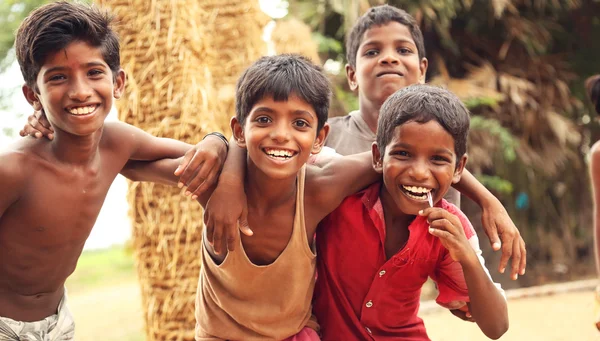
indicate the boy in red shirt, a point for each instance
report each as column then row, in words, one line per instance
column 380, row 245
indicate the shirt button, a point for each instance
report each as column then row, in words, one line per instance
column 369, row 304
column 368, row 330
column 381, row 273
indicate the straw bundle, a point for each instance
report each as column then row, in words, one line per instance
column 294, row 36
column 164, row 50
column 237, row 37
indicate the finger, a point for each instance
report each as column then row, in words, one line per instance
column 491, row 230
column 184, row 163
column 523, row 257
column 195, row 183
column 243, row 222
column 440, row 233
column 507, row 250
column 436, row 213
column 37, row 130
column 43, row 120
column 446, row 225
column 218, row 237
column 209, row 226
column 516, row 259
column 232, row 235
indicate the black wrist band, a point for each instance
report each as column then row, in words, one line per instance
column 219, row 135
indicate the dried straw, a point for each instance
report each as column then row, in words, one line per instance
column 237, row 29
column 165, row 50
column 294, row 36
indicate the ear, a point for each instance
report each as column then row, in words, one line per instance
column 31, row 97
column 377, row 158
column 351, row 76
column 119, row 84
column 320, row 140
column 238, row 132
column 423, row 68
column 460, row 167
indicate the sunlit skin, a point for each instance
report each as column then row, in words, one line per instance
column 387, row 60
column 411, row 160
column 52, row 191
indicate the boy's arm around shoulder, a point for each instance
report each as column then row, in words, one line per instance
column 331, row 182
column 496, row 222
column 167, row 161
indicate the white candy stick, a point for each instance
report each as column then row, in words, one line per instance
column 429, row 199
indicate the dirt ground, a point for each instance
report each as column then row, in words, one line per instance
column 115, row 313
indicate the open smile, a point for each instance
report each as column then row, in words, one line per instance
column 280, row 154
column 83, row 110
column 416, row 192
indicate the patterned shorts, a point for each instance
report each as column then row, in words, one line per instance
column 58, row 327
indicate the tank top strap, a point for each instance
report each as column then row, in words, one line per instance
column 299, row 230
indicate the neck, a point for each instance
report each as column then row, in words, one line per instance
column 370, row 113
column 393, row 215
column 264, row 192
column 76, row 150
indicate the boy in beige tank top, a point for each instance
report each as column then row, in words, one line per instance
column 261, row 289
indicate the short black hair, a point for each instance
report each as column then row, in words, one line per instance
column 282, row 76
column 592, row 87
column 422, row 103
column 379, row 16
column 50, row 28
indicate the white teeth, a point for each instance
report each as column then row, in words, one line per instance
column 279, row 152
column 416, row 189
column 82, row 110
column 424, row 198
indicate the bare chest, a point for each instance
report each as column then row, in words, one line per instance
column 273, row 233
column 57, row 207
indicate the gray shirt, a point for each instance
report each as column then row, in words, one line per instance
column 350, row 134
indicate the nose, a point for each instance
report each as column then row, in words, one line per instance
column 280, row 133
column 389, row 57
column 80, row 90
column 419, row 171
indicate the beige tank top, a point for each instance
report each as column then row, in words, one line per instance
column 238, row 300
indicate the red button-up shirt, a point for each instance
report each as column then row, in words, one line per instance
column 361, row 295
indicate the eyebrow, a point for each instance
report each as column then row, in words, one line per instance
column 62, row 68
column 295, row 112
column 378, row 42
column 408, row 146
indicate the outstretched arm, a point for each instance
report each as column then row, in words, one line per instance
column 496, row 222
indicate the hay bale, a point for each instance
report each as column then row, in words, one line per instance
column 237, row 38
column 165, row 49
column 294, row 36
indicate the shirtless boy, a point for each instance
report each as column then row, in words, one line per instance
column 52, row 191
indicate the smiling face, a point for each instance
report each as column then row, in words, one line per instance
column 387, row 60
column 420, row 158
column 76, row 89
column 280, row 135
